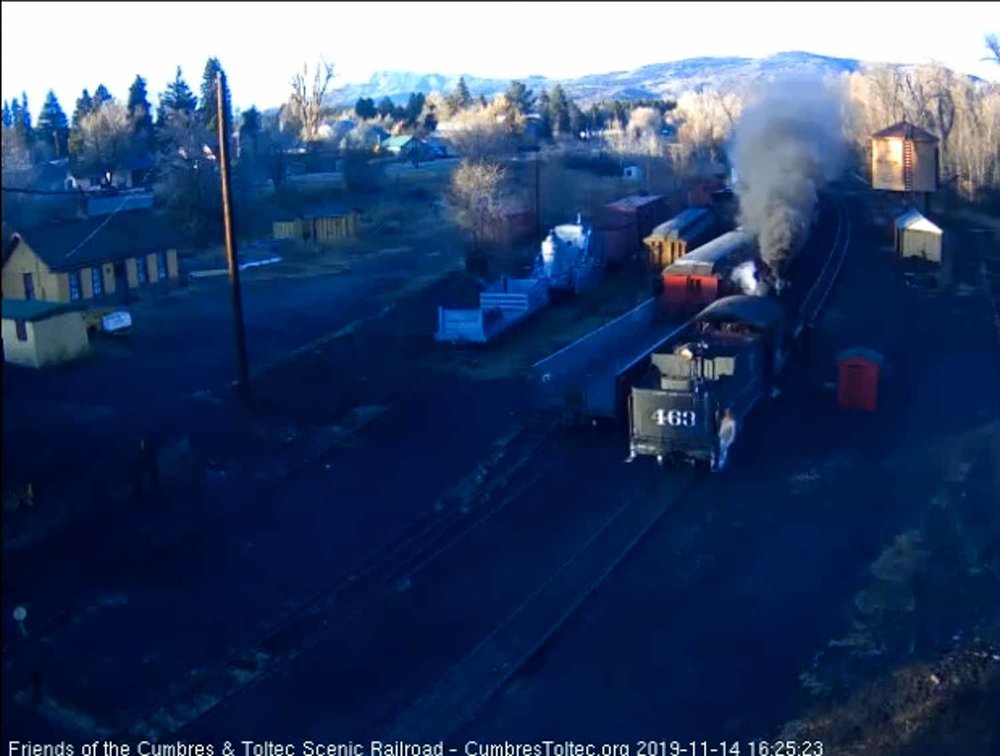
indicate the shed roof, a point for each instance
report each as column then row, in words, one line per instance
column 76, row 244
column 635, row 201
column 320, row 210
column 34, row 309
column 862, row 353
column 913, row 220
column 398, row 141
column 906, row 130
column 760, row 312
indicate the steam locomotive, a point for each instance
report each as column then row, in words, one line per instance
column 729, row 358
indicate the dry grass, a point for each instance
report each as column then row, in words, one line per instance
column 945, row 700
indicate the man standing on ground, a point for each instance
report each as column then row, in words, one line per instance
column 727, row 434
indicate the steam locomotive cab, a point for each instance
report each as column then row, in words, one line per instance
column 729, row 360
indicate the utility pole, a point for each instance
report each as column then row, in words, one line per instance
column 538, row 212
column 222, row 118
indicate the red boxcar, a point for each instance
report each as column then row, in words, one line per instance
column 647, row 211
column 613, row 238
column 702, row 276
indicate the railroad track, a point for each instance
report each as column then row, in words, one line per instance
column 458, row 695
column 501, row 479
column 480, row 496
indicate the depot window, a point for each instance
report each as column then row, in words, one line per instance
column 74, row 285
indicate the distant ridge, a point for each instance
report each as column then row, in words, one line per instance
column 650, row 81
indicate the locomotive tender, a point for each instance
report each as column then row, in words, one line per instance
column 729, row 358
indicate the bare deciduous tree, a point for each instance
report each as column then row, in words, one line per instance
column 963, row 113
column 104, row 139
column 993, row 45
column 704, row 121
column 307, row 102
column 16, row 156
column 480, row 133
column 476, row 196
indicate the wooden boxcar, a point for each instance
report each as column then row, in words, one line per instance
column 678, row 236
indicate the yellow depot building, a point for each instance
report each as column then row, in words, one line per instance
column 36, row 333
column 90, row 259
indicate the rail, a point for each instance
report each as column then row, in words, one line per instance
column 825, row 278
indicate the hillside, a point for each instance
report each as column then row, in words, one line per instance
column 654, row 80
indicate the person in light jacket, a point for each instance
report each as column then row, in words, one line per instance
column 727, row 434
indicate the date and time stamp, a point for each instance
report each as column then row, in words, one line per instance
column 440, row 748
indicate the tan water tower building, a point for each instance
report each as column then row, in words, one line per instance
column 905, row 159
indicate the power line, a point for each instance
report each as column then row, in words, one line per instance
column 24, row 190
column 93, row 233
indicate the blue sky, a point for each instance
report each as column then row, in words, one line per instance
column 69, row 46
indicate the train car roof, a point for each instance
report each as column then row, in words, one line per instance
column 633, row 201
column 679, row 223
column 713, row 252
column 760, row 312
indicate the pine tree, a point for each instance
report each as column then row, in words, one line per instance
column 101, row 95
column 386, row 107
column 178, row 96
column 461, row 98
column 16, row 120
column 8, row 119
column 84, row 106
column 414, row 107
column 559, row 110
column 462, row 92
column 520, row 96
column 364, row 108
column 22, row 122
column 544, row 107
column 53, row 126
column 207, row 106
column 250, row 128
column 140, row 112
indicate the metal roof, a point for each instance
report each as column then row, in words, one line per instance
column 637, row 200
column 676, row 226
column 34, row 309
column 913, row 220
column 761, row 312
column 715, row 251
column 77, row 244
column 118, row 203
column 906, row 130
column 319, row 210
column 399, row 141
column 864, row 353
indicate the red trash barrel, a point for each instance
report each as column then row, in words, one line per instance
column 858, row 374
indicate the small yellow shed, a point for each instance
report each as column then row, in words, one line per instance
column 37, row 333
column 916, row 236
